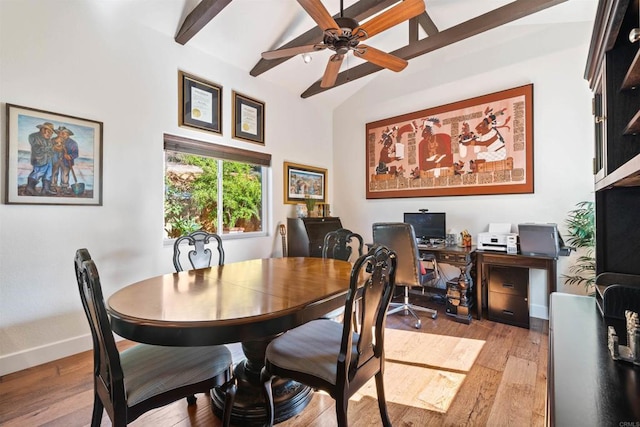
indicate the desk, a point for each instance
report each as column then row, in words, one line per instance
column 250, row 301
column 486, row 258
column 461, row 257
column 584, row 385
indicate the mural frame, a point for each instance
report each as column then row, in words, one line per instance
column 481, row 146
column 291, row 173
column 203, row 113
column 45, row 178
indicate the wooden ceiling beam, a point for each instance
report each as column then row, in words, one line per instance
column 490, row 20
column 358, row 11
column 423, row 20
column 200, row 16
column 427, row 24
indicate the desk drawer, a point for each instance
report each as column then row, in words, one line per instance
column 509, row 280
column 449, row 258
column 511, row 309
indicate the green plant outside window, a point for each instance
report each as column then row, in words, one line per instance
column 211, row 194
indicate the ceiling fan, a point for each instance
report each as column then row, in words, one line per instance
column 344, row 34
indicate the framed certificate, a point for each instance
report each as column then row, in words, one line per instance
column 248, row 118
column 200, row 103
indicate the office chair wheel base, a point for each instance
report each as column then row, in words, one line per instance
column 418, row 324
column 434, row 315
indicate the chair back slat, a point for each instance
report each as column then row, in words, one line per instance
column 108, row 374
column 337, row 244
column 371, row 285
column 200, row 256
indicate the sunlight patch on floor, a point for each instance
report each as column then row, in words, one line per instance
column 424, row 370
column 416, row 386
column 444, row 352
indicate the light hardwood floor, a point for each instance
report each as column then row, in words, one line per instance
column 506, row 386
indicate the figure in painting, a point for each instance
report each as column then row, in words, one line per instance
column 65, row 151
column 466, row 136
column 388, row 150
column 488, row 143
column 41, row 160
column 392, row 149
column 434, row 149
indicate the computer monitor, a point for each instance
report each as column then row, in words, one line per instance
column 427, row 225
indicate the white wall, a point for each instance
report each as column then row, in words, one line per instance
column 87, row 59
column 552, row 57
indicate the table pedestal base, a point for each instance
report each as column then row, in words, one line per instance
column 249, row 407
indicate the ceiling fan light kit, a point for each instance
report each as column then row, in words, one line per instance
column 344, row 34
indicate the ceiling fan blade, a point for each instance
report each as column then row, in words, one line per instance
column 319, row 13
column 331, row 72
column 292, row 51
column 397, row 14
column 378, row 57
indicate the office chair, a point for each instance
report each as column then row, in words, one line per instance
column 145, row 377
column 200, row 256
column 340, row 358
column 400, row 237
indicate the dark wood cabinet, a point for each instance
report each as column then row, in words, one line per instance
column 613, row 72
column 508, row 295
column 305, row 236
column 585, row 386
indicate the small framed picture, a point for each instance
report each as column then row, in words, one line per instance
column 200, row 103
column 52, row 158
column 248, row 118
column 302, row 182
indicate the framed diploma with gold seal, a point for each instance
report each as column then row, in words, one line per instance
column 248, row 118
column 200, row 103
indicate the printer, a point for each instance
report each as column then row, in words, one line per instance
column 498, row 238
column 542, row 240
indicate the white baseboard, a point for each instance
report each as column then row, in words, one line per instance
column 538, row 311
column 35, row 356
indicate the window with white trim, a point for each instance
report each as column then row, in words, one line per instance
column 213, row 187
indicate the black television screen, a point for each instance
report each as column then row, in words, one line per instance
column 427, row 225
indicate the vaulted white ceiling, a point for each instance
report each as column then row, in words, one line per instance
column 245, row 28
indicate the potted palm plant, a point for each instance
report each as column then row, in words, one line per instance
column 581, row 228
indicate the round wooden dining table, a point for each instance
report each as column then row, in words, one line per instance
column 249, row 302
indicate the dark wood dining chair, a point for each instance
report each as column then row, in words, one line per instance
column 340, row 358
column 144, row 377
column 401, row 237
column 201, row 255
column 338, row 244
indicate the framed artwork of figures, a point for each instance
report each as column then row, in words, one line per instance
column 302, row 182
column 52, row 158
column 482, row 145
